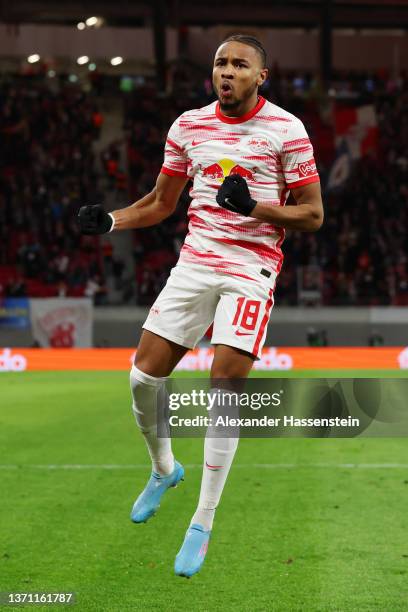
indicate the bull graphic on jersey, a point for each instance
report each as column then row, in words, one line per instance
column 223, row 168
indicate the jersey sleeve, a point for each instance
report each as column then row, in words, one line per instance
column 175, row 158
column 298, row 164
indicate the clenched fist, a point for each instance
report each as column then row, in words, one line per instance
column 93, row 219
column 234, row 195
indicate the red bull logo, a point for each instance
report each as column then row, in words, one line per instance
column 219, row 170
column 244, row 172
column 214, row 172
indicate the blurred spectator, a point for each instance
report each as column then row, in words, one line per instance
column 317, row 337
column 375, row 339
column 16, row 288
column 96, row 289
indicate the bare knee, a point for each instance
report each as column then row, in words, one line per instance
column 157, row 356
column 228, row 371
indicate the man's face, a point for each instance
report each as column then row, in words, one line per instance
column 237, row 73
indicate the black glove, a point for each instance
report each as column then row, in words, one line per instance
column 234, row 195
column 93, row 219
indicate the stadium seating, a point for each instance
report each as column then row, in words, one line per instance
column 48, row 170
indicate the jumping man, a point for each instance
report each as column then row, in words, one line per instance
column 244, row 156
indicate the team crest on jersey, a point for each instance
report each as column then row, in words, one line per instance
column 258, row 143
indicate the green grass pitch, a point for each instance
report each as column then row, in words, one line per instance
column 299, row 538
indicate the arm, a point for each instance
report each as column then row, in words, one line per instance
column 149, row 210
column 306, row 216
column 154, row 207
column 301, row 177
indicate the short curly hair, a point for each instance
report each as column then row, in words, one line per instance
column 246, row 39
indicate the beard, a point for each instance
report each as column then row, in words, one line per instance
column 224, row 106
column 230, row 105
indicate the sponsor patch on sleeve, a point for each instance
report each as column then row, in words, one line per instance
column 307, row 168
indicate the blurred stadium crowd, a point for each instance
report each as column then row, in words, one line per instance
column 47, row 172
column 48, row 169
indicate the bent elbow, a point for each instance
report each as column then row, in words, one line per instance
column 317, row 220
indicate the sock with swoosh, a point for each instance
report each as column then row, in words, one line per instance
column 218, row 456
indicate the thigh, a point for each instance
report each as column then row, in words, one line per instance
column 230, row 363
column 242, row 315
column 157, row 356
column 185, row 308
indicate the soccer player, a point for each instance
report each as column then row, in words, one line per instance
column 244, row 155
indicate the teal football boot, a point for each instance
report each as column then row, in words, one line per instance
column 149, row 500
column 192, row 554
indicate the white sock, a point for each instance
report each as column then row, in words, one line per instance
column 149, row 396
column 218, row 456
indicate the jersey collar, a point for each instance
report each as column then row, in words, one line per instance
column 246, row 117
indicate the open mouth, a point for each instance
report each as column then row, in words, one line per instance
column 226, row 89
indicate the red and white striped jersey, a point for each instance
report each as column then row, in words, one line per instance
column 270, row 148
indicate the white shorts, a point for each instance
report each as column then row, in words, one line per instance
column 194, row 297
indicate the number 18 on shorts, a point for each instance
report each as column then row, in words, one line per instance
column 239, row 307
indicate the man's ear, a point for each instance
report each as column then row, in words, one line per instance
column 263, row 75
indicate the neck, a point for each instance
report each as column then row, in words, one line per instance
column 243, row 108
